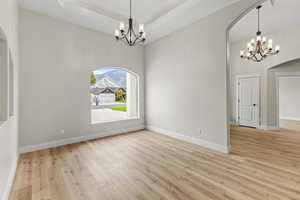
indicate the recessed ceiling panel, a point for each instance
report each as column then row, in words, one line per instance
column 143, row 10
column 161, row 17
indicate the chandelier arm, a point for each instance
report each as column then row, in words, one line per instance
column 135, row 35
column 139, row 41
column 261, row 54
column 256, row 59
column 127, row 40
column 136, row 38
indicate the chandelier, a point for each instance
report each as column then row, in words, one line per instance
column 259, row 49
column 129, row 36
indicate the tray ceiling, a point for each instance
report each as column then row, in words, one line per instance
column 160, row 17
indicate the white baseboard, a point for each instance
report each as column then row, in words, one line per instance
column 11, row 178
column 233, row 123
column 290, row 118
column 268, row 128
column 200, row 142
column 31, row 148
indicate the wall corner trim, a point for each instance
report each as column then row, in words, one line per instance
column 57, row 143
column 11, row 178
column 200, row 142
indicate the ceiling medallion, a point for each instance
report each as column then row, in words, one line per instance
column 260, row 49
column 130, row 37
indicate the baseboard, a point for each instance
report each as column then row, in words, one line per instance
column 233, row 123
column 11, row 178
column 268, row 128
column 32, row 148
column 290, row 118
column 189, row 139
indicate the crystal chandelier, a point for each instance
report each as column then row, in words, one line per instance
column 129, row 36
column 259, row 49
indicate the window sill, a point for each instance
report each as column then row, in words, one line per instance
column 99, row 123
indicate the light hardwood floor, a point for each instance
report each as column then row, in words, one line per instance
column 290, row 124
column 148, row 166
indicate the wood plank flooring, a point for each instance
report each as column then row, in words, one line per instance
column 290, row 124
column 148, row 166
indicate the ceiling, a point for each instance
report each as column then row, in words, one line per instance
column 283, row 15
column 161, row 17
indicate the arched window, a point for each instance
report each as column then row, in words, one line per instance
column 113, row 95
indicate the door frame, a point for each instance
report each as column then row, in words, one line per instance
column 237, row 113
column 278, row 75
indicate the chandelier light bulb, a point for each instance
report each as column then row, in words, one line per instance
column 264, row 39
column 242, row 53
column 252, row 41
column 270, row 41
column 277, row 48
column 122, row 26
column 144, row 35
column 251, row 49
column 141, row 28
column 258, row 38
column 270, row 45
column 117, row 33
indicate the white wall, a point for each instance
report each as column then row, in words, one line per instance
column 8, row 129
column 56, row 58
column 290, row 43
column 186, row 80
column 289, row 98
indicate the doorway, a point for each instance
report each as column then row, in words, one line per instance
column 248, row 100
column 288, row 100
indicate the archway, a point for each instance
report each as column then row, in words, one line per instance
column 230, row 79
column 261, row 142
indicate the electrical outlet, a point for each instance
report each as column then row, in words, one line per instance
column 199, row 130
column 62, row 131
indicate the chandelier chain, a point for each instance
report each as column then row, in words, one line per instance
column 130, row 8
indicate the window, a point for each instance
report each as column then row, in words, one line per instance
column 3, row 78
column 113, row 95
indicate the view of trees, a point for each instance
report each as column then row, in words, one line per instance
column 119, row 95
column 93, row 79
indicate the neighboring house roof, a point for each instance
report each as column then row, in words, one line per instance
column 117, row 88
column 97, row 91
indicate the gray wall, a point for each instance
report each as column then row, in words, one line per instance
column 186, row 78
column 56, row 58
column 8, row 129
column 290, row 43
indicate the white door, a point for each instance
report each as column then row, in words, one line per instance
column 248, row 101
